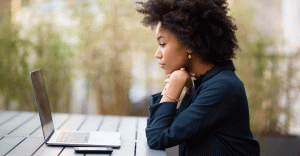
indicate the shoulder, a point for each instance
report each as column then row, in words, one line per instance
column 224, row 83
column 221, row 90
column 225, row 79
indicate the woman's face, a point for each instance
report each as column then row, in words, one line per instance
column 171, row 54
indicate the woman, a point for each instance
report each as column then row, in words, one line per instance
column 197, row 39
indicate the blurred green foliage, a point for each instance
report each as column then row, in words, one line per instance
column 41, row 48
column 69, row 39
column 14, row 68
column 261, row 66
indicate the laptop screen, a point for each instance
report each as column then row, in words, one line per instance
column 42, row 102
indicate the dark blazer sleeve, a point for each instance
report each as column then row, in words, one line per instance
column 215, row 100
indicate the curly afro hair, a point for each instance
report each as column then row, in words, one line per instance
column 201, row 25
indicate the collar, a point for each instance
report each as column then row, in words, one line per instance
column 225, row 65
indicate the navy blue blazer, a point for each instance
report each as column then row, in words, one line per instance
column 213, row 121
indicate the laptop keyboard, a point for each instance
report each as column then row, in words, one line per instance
column 73, row 137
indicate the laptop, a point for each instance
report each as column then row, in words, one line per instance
column 66, row 138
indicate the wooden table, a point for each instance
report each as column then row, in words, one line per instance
column 21, row 133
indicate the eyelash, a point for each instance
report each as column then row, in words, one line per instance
column 163, row 44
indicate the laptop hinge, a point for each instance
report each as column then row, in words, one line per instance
column 47, row 139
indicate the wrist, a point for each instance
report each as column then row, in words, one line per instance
column 171, row 97
column 172, row 93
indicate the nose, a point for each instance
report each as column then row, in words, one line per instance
column 158, row 54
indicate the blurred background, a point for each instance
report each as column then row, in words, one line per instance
column 97, row 58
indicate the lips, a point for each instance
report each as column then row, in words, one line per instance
column 161, row 65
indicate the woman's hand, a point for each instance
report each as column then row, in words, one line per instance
column 183, row 77
column 179, row 79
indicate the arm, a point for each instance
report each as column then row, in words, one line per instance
column 199, row 118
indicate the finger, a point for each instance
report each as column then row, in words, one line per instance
column 168, row 75
column 167, row 81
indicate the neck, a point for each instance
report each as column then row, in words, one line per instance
column 198, row 66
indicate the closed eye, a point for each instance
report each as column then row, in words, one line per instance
column 162, row 44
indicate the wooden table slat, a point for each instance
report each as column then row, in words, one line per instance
column 7, row 143
column 5, row 116
column 59, row 119
column 11, row 125
column 27, row 128
column 141, row 135
column 128, row 128
column 91, row 124
column 110, row 124
column 45, row 150
column 27, row 147
column 73, row 123
column 127, row 149
column 143, row 149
